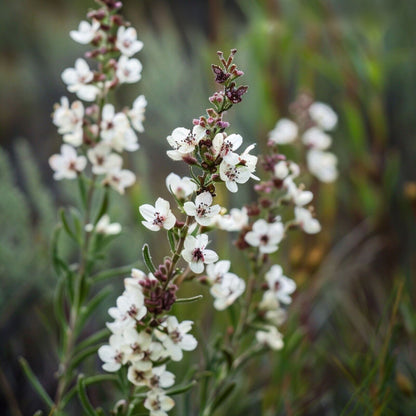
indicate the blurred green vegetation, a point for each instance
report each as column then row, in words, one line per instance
column 350, row 339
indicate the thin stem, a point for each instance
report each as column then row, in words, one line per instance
column 179, row 247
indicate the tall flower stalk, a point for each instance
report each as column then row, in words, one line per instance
column 94, row 138
column 145, row 335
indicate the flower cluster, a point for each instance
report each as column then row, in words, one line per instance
column 145, row 336
column 264, row 224
column 314, row 120
column 92, row 130
column 144, row 343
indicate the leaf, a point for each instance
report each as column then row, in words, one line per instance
column 35, row 382
column 103, row 207
column 229, row 356
column 82, row 394
column 172, row 241
column 87, row 381
column 181, row 389
column 223, row 396
column 57, row 262
column 87, row 310
column 66, row 225
column 148, row 259
column 82, row 190
column 78, row 223
column 187, row 300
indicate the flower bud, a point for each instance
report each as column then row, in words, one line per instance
column 190, row 160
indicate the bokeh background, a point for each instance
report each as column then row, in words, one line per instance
column 350, row 340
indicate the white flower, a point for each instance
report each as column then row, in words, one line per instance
column 157, row 217
column 67, row 164
column 161, row 378
column 112, row 122
column 281, row 169
column 298, row 195
column 113, row 355
column 120, row 179
column 280, row 285
column 127, row 41
column 223, row 145
column 274, row 313
column 316, row 138
column 323, row 115
column 116, row 130
column 180, row 187
column 104, row 226
column 196, row 254
column 271, row 337
column 323, row 165
column 69, row 121
column 141, row 350
column 227, row 291
column 215, row 272
column 154, row 378
column 131, row 303
column 265, row 235
column 250, row 161
column 175, row 338
column 202, row 209
column 176, row 155
column 128, row 70
column 304, row 218
column 158, row 403
column 232, row 173
column 103, row 161
column 285, row 131
column 133, row 282
column 236, row 220
column 183, row 141
column 130, row 309
column 86, row 32
column 285, row 168
column 77, row 79
column 136, row 114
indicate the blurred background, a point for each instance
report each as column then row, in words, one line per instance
column 350, row 340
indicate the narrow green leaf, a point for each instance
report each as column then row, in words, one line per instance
column 88, row 309
column 59, row 302
column 181, row 389
column 35, row 382
column 58, row 264
column 82, row 190
column 66, row 225
column 172, row 241
column 78, row 223
column 148, row 259
column 229, row 356
column 104, row 206
column 87, row 381
column 187, row 300
column 82, row 394
column 223, row 396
